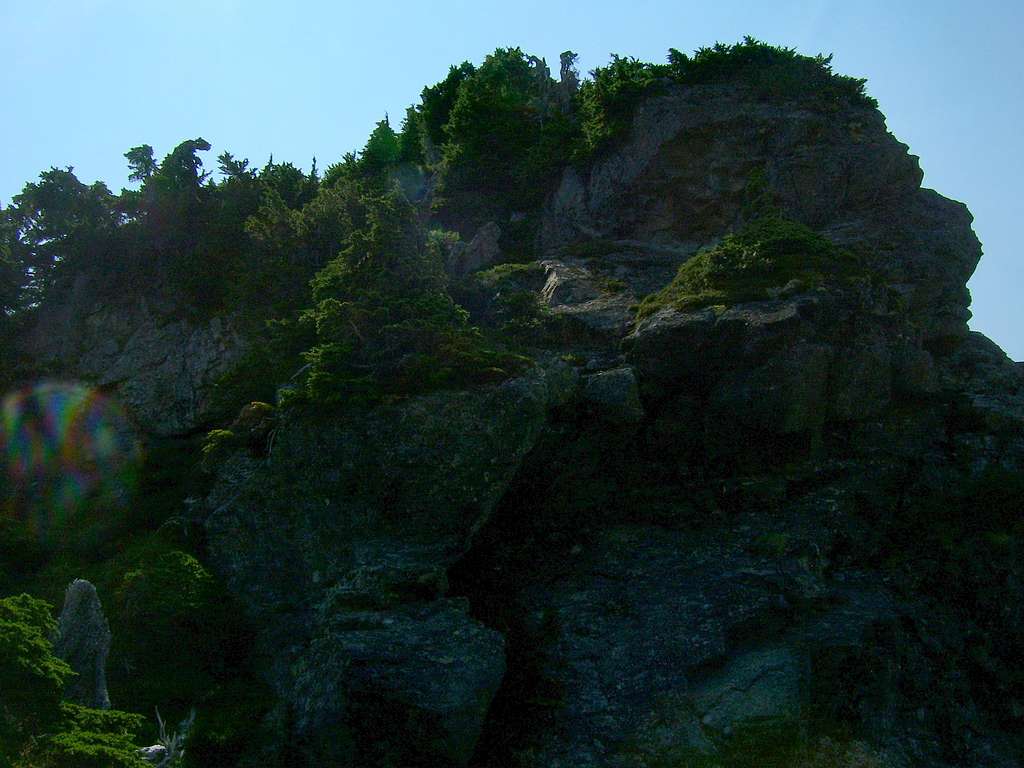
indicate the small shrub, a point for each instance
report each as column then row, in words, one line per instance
column 607, row 100
column 34, row 723
column 87, row 749
column 384, row 322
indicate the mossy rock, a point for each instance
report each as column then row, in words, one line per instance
column 530, row 271
column 771, row 254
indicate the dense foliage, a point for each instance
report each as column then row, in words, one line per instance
column 505, row 136
column 383, row 319
column 494, row 135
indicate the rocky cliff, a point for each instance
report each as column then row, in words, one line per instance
column 781, row 522
column 720, row 519
column 162, row 364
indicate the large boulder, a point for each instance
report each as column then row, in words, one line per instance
column 338, row 543
column 613, row 395
column 407, row 684
column 659, row 642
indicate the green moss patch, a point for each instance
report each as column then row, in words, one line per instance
column 769, row 253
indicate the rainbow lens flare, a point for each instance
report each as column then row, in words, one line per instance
column 67, row 448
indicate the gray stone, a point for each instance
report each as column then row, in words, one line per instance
column 161, row 367
column 914, row 371
column 614, row 396
column 759, row 684
column 861, row 381
column 339, row 544
column 428, row 663
column 481, row 252
column 648, row 635
column 681, row 177
column 576, row 293
column 567, row 284
column 154, row 754
column 786, row 394
column 83, row 641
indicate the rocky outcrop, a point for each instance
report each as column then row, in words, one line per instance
column 701, row 599
column 479, row 253
column 162, row 367
column 663, row 587
column 683, row 179
column 686, row 524
column 599, row 306
column 424, row 665
column 83, row 641
column 338, row 544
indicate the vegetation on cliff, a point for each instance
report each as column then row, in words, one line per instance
column 771, row 252
column 342, row 283
column 607, row 100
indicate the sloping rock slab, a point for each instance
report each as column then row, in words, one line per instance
column 338, row 543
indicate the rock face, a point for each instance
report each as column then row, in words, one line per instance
column 83, row 641
column 339, row 543
column 796, row 511
column 663, row 587
column 613, row 395
column 161, row 367
column 640, row 627
column 481, row 252
column 683, row 178
column 651, row 624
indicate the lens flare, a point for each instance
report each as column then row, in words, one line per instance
column 66, row 447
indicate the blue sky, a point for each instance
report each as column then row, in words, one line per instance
column 84, row 80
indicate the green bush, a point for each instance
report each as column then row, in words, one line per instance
column 179, row 631
column 773, row 71
column 92, row 738
column 768, row 253
column 436, row 102
column 607, row 100
column 86, row 749
column 31, row 677
column 504, row 139
column 384, row 322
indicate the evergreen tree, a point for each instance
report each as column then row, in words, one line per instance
column 410, row 139
column 382, row 149
column 436, row 102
